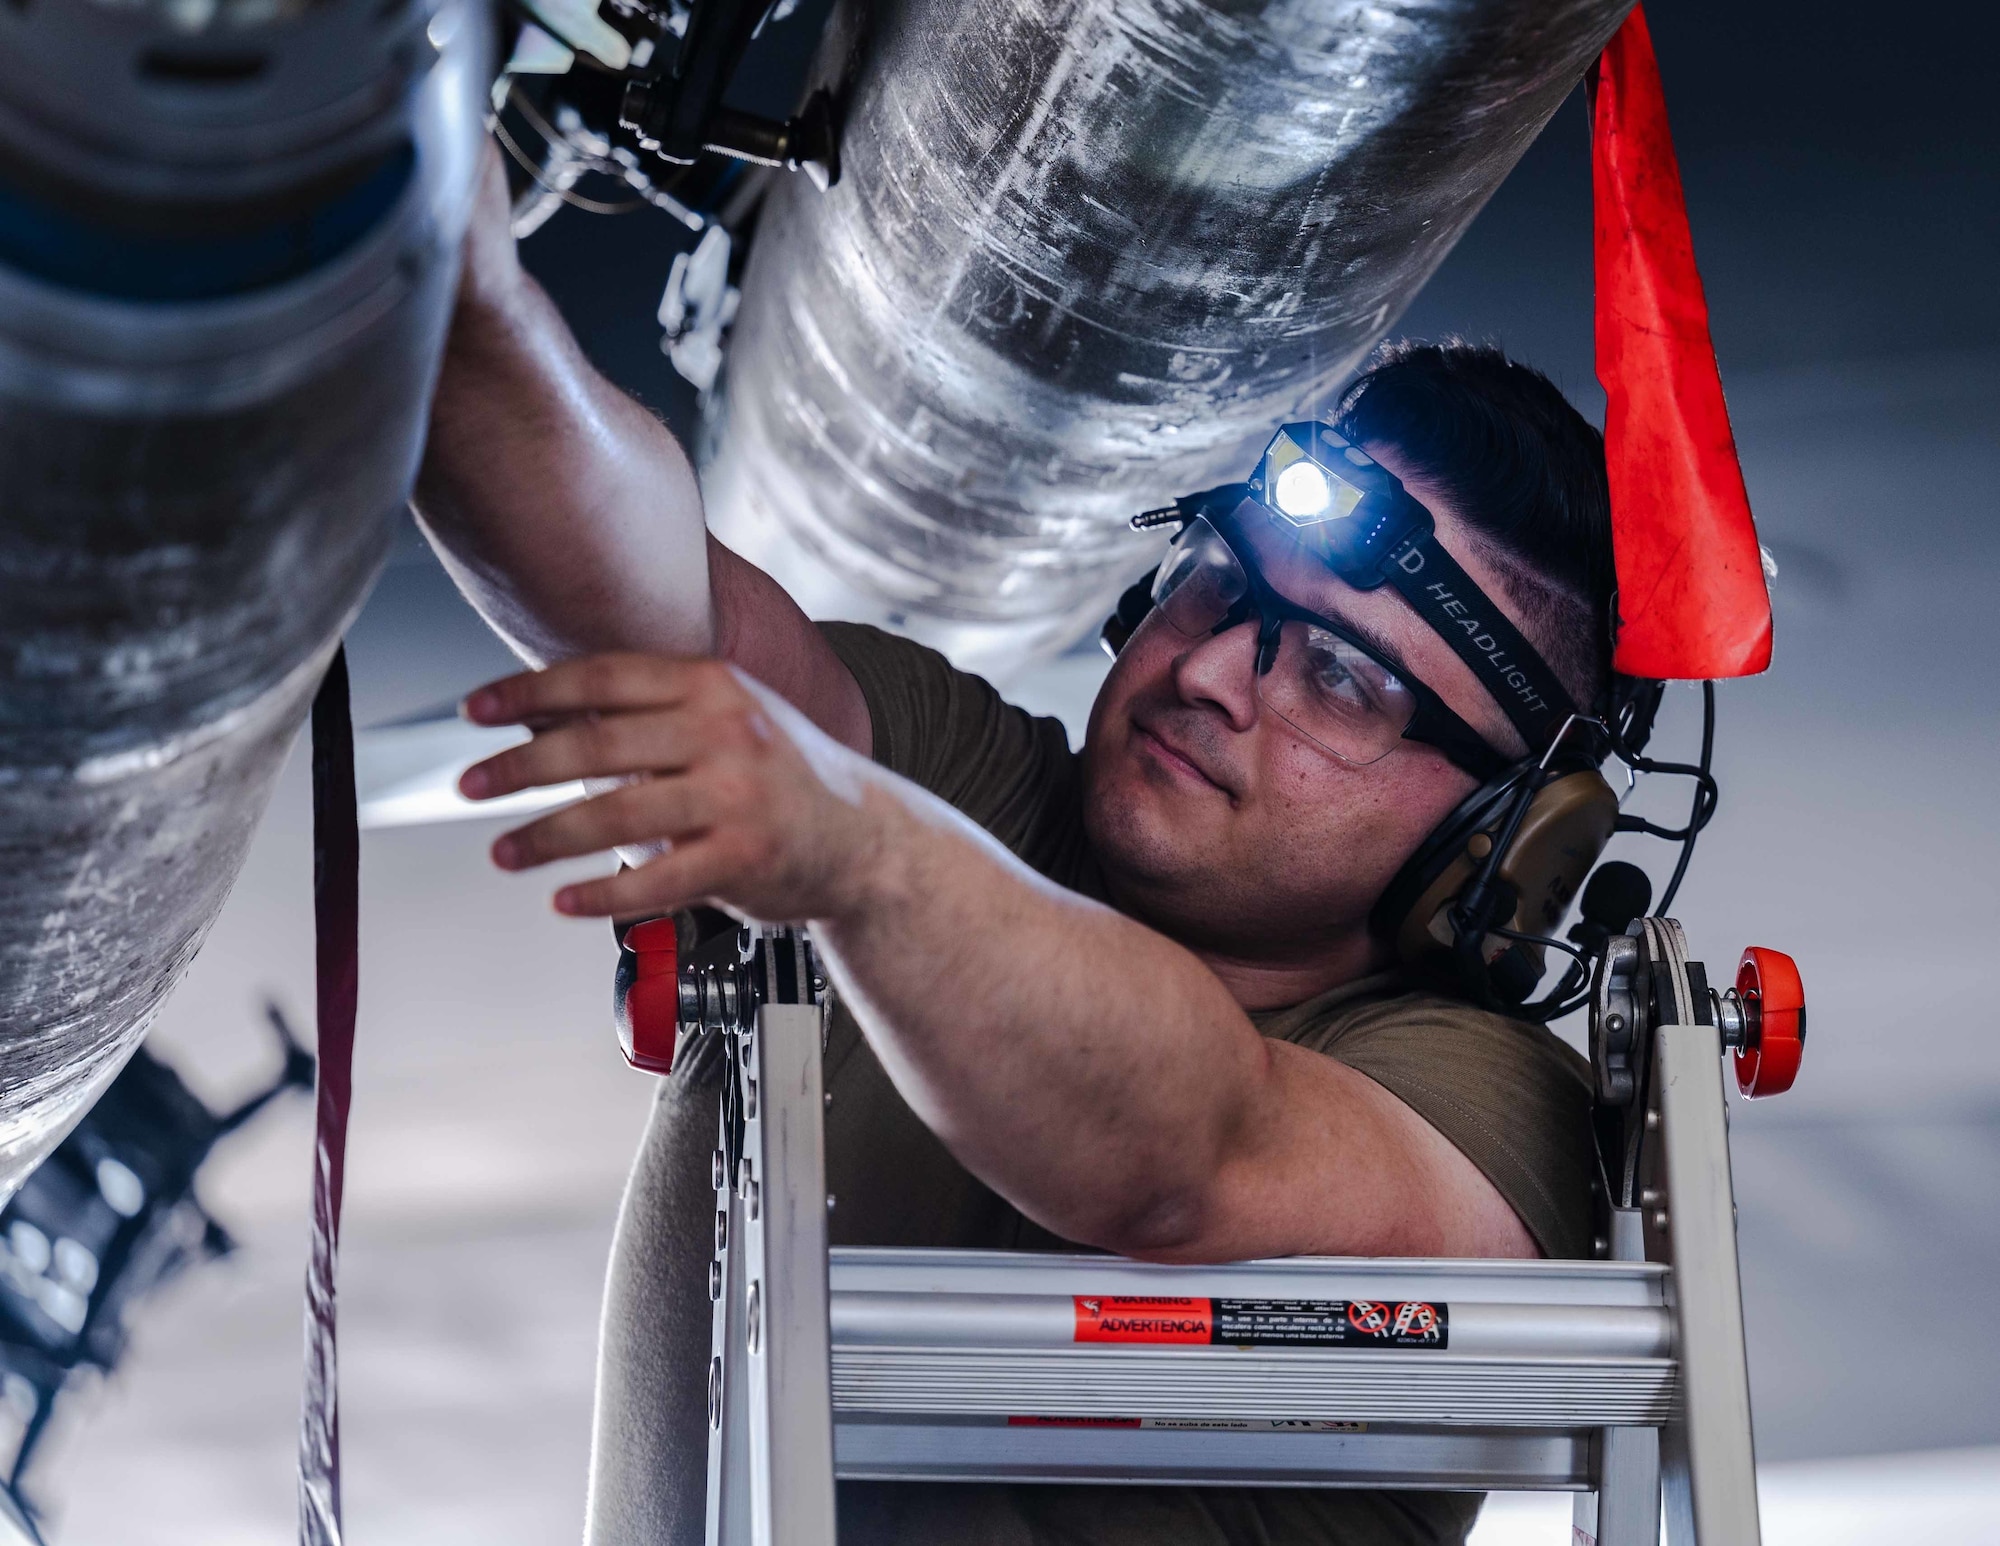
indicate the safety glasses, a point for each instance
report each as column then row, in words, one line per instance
column 1312, row 672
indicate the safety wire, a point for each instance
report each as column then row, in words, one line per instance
column 589, row 161
column 1701, row 808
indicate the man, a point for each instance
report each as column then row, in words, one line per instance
column 1128, row 1000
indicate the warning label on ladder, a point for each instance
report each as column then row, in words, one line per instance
column 1263, row 1322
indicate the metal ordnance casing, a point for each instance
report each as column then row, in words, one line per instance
column 1083, row 256
column 195, row 493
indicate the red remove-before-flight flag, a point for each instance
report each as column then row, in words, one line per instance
column 1692, row 602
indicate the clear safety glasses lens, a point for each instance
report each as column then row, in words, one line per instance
column 1332, row 692
column 1199, row 581
column 1336, row 694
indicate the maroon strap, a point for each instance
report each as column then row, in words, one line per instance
column 336, row 914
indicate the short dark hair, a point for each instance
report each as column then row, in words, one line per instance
column 1521, row 467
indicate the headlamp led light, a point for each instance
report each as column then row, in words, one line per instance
column 1302, row 487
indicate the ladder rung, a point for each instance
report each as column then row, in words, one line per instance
column 905, row 1449
column 1299, row 1384
column 962, row 1334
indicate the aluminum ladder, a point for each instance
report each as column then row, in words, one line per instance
column 1619, row 1379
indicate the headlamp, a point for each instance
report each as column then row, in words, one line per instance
column 1338, row 501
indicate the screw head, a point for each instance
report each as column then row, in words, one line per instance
column 753, row 1319
column 714, row 1281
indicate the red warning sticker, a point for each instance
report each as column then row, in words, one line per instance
column 1144, row 1320
column 1408, row 1323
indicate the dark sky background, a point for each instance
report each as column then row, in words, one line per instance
column 1843, row 185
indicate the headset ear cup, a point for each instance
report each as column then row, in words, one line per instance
column 1565, row 829
column 1442, row 866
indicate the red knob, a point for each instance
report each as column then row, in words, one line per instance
column 653, row 1002
column 1775, row 1003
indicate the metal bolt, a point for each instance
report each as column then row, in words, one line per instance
column 714, row 1281
column 718, row 1167
column 750, row 1200
column 826, row 1099
column 721, row 1230
column 715, row 1392
column 1660, row 1220
column 1599, row 1246
column 1650, row 1197
column 753, row 1330
column 1614, row 1023
column 829, row 1202
column 1652, row 1121
column 750, row 1097
column 744, row 1181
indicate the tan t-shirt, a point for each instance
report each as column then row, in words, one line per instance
column 1511, row 1096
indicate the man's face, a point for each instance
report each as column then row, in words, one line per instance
column 1219, row 823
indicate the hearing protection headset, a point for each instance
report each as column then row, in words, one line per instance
column 1474, row 908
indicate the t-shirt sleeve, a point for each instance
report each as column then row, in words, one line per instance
column 1510, row 1096
column 952, row 733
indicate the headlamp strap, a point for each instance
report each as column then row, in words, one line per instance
column 1460, row 613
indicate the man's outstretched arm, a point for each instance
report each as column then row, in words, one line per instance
column 1092, row 1071
column 570, row 516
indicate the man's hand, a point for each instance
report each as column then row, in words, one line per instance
column 723, row 792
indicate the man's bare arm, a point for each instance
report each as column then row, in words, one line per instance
column 570, row 516
column 1092, row 1071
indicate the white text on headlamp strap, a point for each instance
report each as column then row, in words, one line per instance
column 1411, row 561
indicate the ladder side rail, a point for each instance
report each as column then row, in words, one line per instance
column 728, row 1519
column 1708, row 1459
column 1624, row 1507
column 782, row 1194
column 1624, row 1510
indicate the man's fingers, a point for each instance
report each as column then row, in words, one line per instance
column 668, row 808
column 691, row 873
column 593, row 746
column 603, row 682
